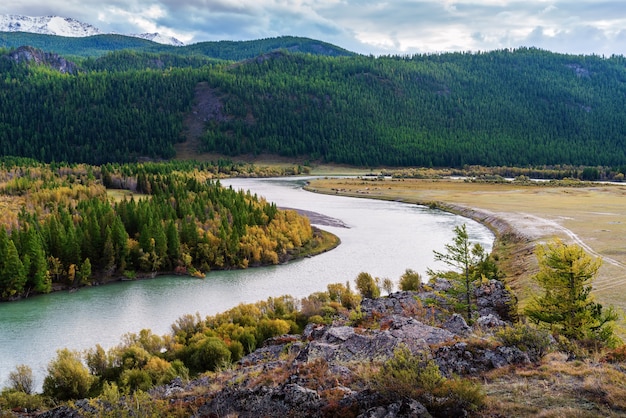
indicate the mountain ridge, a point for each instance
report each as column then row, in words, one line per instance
column 68, row 27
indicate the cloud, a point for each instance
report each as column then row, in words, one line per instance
column 366, row 26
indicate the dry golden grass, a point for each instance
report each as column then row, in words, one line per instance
column 557, row 388
column 592, row 216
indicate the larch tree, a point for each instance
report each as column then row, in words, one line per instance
column 466, row 259
column 566, row 304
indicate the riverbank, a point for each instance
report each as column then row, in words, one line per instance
column 521, row 217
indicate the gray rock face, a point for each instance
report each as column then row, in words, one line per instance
column 490, row 323
column 29, row 54
column 399, row 303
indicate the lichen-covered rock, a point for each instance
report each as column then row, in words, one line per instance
column 456, row 324
column 61, row 412
column 289, row 400
column 399, row 303
column 409, row 408
column 347, row 344
column 490, row 323
column 493, row 298
column 465, row 359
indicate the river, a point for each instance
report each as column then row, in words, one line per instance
column 381, row 238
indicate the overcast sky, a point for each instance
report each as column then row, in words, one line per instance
column 364, row 26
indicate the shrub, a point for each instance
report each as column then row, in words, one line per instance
column 534, row 341
column 134, row 379
column 11, row 399
column 368, row 288
column 67, row 377
column 268, row 328
column 210, row 354
column 21, row 380
column 408, row 375
column 410, row 281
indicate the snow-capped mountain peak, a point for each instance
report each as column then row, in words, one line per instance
column 64, row 26
column 158, row 38
column 47, row 25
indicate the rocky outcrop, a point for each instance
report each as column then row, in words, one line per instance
column 314, row 374
column 28, row 54
column 346, row 344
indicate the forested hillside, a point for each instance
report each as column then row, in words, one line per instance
column 515, row 108
column 99, row 45
column 72, row 225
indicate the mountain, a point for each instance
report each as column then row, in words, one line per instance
column 47, row 25
column 67, row 27
column 159, row 39
column 100, row 45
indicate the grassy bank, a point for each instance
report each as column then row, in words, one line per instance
column 522, row 216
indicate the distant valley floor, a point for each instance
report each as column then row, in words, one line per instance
column 593, row 217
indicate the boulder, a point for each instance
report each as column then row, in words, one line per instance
column 409, row 408
column 456, row 324
column 464, row 359
column 493, row 298
column 290, row 400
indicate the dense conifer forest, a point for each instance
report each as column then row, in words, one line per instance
column 524, row 107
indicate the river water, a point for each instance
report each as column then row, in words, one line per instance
column 381, row 238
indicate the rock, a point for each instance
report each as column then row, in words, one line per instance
column 61, row 412
column 493, row 298
column 409, row 408
column 170, row 390
column 313, row 331
column 439, row 284
column 457, row 325
column 399, row 303
column 490, row 323
column 347, row 344
column 297, row 395
column 463, row 359
column 290, row 400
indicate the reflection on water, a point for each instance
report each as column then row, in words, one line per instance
column 382, row 238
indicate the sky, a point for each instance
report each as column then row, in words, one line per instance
column 378, row 27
